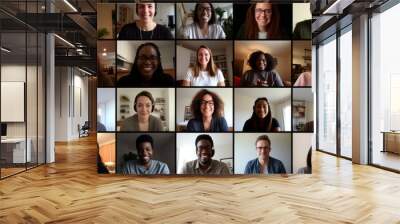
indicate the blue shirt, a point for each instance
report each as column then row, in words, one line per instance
column 217, row 124
column 134, row 167
column 274, row 166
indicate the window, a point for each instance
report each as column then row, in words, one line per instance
column 346, row 93
column 385, row 86
column 327, row 96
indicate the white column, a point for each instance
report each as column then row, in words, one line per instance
column 360, row 90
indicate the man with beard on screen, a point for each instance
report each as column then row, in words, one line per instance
column 204, row 164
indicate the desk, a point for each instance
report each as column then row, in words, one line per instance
column 391, row 141
column 13, row 150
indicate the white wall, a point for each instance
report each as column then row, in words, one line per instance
column 245, row 149
column 184, row 61
column 185, row 97
column 301, row 144
column 106, row 107
column 301, row 11
column 186, row 149
column 167, row 93
column 14, row 73
column 245, row 98
column 68, row 83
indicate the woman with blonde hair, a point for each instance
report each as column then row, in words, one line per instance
column 204, row 72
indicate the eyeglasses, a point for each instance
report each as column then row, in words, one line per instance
column 205, row 102
column 201, row 9
column 265, row 148
column 145, row 58
column 265, row 11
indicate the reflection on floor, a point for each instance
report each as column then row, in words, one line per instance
column 70, row 191
column 10, row 170
column 387, row 159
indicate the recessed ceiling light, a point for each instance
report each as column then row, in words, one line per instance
column 70, row 5
column 5, row 50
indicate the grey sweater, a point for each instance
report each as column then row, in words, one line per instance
column 250, row 78
column 132, row 124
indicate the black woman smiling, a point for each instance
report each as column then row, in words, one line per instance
column 147, row 69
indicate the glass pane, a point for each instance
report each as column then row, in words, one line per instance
column 327, row 96
column 346, row 94
column 13, row 86
column 385, row 89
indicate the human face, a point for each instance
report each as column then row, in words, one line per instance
column 263, row 150
column 204, row 12
column 204, row 152
column 263, row 14
column 147, row 61
column 145, row 152
column 261, row 109
column 146, row 11
column 143, row 106
column 207, row 105
column 261, row 62
column 203, row 57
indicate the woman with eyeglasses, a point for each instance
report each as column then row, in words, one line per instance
column 143, row 120
column 262, row 22
column 204, row 72
column 261, row 120
column 147, row 69
column 207, row 109
column 145, row 28
column 204, row 24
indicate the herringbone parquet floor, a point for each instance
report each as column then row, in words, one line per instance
column 70, row 191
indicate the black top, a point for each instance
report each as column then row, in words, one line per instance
column 162, row 80
column 132, row 32
column 251, row 125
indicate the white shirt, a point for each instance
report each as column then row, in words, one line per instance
column 204, row 78
column 193, row 31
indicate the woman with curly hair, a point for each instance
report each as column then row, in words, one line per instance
column 262, row 71
column 207, row 109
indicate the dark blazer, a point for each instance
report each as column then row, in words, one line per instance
column 217, row 124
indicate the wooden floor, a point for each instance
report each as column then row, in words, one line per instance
column 70, row 191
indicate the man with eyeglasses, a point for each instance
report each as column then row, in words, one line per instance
column 204, row 164
column 264, row 164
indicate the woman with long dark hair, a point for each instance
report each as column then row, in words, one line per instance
column 262, row 22
column 147, row 69
column 261, row 119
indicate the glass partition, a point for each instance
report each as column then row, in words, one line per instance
column 327, row 96
column 385, row 89
column 346, row 93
